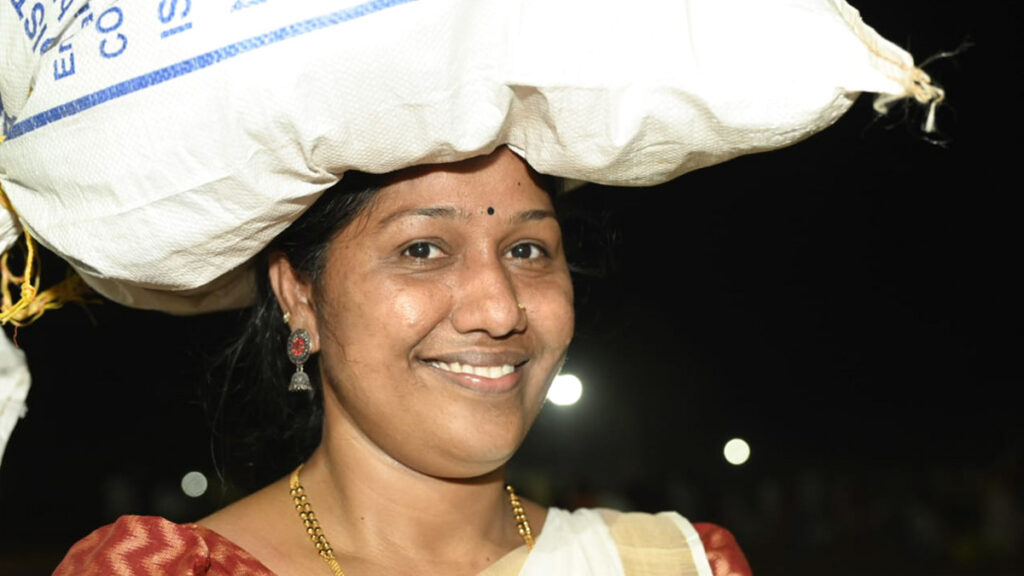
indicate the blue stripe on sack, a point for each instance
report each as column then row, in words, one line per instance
column 194, row 64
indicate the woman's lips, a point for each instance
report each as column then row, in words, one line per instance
column 494, row 378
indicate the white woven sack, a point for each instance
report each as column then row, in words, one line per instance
column 14, row 385
column 158, row 144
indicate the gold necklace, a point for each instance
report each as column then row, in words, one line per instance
column 323, row 547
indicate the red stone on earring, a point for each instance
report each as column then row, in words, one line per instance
column 298, row 346
column 298, row 352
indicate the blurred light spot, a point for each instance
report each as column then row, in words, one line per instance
column 736, row 451
column 565, row 390
column 193, row 484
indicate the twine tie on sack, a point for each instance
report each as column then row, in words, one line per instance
column 32, row 303
column 919, row 86
column 916, row 83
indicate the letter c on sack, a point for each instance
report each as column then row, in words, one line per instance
column 108, row 22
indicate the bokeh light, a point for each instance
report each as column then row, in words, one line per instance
column 194, row 484
column 736, row 451
column 565, row 390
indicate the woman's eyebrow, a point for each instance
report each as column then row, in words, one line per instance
column 532, row 215
column 447, row 212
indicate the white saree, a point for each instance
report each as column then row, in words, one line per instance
column 591, row 542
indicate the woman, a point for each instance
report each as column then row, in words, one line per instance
column 441, row 308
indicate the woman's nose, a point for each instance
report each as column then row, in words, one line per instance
column 486, row 299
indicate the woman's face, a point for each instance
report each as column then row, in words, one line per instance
column 444, row 312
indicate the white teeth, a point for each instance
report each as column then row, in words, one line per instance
column 482, row 371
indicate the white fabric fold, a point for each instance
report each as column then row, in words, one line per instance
column 693, row 540
column 576, row 543
column 14, row 385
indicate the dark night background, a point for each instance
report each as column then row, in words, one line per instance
column 851, row 306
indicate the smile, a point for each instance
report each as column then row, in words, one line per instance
column 480, row 371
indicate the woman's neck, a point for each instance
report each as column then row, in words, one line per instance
column 371, row 505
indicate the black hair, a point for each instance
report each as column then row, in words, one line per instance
column 262, row 429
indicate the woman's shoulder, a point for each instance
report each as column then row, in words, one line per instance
column 154, row 545
column 643, row 541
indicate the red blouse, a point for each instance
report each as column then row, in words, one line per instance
column 152, row 545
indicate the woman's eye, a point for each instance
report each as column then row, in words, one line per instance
column 527, row 251
column 422, row 251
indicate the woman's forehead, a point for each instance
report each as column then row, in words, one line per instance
column 509, row 206
column 501, row 165
column 500, row 181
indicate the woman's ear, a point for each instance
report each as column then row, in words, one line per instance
column 294, row 296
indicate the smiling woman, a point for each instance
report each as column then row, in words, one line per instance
column 438, row 307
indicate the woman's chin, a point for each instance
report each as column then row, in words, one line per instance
column 462, row 461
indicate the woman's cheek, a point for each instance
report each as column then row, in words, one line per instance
column 419, row 307
column 553, row 304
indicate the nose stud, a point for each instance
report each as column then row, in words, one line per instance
column 521, row 306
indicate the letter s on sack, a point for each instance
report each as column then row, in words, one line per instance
column 169, row 9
